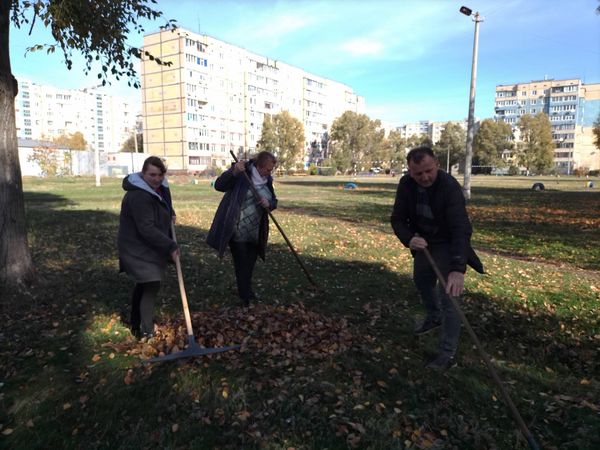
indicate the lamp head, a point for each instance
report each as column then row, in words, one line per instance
column 466, row 11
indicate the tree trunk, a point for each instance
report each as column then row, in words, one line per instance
column 16, row 265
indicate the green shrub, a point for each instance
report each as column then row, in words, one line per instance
column 327, row 171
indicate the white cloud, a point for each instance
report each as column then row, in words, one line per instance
column 363, row 46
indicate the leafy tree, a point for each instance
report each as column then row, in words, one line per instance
column 491, row 140
column 417, row 140
column 596, row 130
column 96, row 29
column 283, row 135
column 74, row 141
column 268, row 136
column 290, row 139
column 535, row 150
column 356, row 141
column 453, row 138
column 395, row 146
column 130, row 145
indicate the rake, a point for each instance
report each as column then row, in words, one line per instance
column 488, row 362
column 193, row 349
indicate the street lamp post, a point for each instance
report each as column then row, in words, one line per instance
column 471, row 121
column 448, row 160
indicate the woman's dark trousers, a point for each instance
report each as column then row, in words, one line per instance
column 142, row 307
column 244, row 259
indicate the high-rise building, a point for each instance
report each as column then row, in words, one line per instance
column 46, row 112
column 210, row 98
column 572, row 107
column 429, row 128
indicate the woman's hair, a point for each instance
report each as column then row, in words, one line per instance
column 264, row 157
column 156, row 162
column 417, row 154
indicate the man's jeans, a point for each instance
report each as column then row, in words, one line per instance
column 437, row 303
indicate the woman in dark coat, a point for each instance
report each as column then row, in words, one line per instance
column 241, row 222
column 145, row 241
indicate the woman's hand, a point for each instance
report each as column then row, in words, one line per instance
column 239, row 167
column 265, row 203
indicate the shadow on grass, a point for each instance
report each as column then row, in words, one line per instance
column 77, row 400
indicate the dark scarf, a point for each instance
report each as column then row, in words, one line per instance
column 425, row 221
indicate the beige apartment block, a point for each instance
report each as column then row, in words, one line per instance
column 211, row 98
column 572, row 107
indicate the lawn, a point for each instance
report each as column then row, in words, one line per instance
column 333, row 368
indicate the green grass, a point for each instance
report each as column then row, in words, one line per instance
column 336, row 368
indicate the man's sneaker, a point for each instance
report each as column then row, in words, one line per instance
column 427, row 326
column 442, row 363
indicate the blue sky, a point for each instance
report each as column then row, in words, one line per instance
column 411, row 60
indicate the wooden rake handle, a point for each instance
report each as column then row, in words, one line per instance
column 488, row 362
column 186, row 308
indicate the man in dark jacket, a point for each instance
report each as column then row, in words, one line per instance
column 145, row 241
column 241, row 221
column 430, row 212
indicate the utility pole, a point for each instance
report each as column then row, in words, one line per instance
column 471, row 120
column 97, row 164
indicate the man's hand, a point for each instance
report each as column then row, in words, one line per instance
column 175, row 254
column 239, row 167
column 417, row 243
column 455, row 284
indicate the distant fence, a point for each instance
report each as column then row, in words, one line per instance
column 79, row 162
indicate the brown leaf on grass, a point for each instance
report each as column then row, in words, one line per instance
column 129, row 379
column 96, row 358
column 7, row 431
column 243, row 415
column 291, row 332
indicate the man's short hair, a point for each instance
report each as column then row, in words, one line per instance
column 417, row 154
column 156, row 162
column 264, row 157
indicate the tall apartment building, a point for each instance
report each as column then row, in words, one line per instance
column 46, row 112
column 213, row 96
column 572, row 107
column 429, row 128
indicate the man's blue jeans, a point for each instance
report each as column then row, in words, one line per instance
column 437, row 303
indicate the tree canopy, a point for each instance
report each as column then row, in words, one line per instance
column 74, row 141
column 596, row 131
column 395, row 150
column 491, row 140
column 98, row 30
column 535, row 150
column 356, row 142
column 452, row 141
column 283, row 135
column 131, row 146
